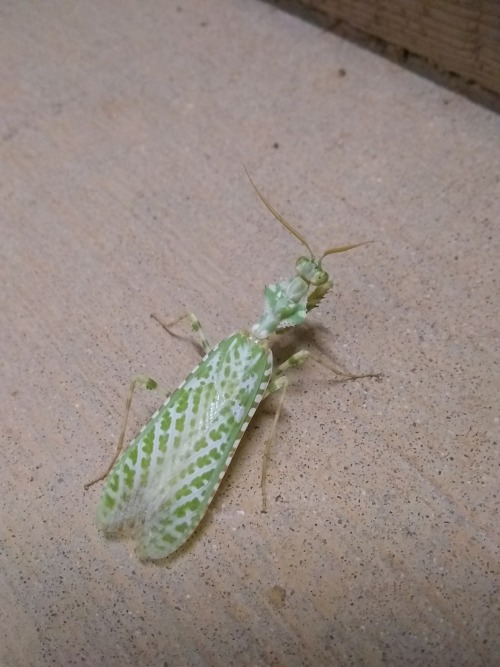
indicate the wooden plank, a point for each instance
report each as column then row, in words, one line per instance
column 458, row 37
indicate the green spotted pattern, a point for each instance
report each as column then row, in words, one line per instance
column 163, row 483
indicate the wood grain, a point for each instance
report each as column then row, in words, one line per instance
column 457, row 37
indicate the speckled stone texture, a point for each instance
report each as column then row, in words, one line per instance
column 124, row 130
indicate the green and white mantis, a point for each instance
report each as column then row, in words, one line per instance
column 162, row 485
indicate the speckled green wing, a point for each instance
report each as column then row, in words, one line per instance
column 163, row 483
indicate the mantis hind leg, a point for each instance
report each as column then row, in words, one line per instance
column 147, row 382
column 279, row 382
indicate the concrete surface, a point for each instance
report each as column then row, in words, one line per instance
column 125, row 126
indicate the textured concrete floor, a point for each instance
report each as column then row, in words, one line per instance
column 124, row 128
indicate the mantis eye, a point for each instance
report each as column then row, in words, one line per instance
column 320, row 277
column 303, row 266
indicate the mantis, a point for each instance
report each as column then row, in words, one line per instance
column 161, row 486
